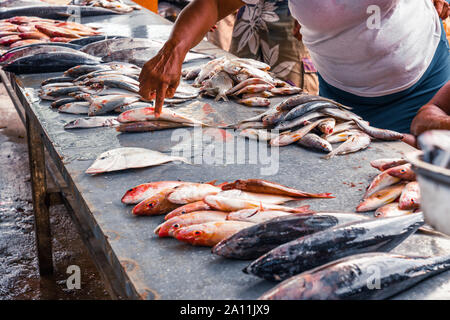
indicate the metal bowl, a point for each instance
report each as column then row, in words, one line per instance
column 434, row 185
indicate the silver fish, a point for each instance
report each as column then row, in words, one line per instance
column 312, row 140
column 91, row 122
column 358, row 141
column 128, row 158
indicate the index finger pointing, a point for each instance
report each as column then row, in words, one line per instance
column 159, row 100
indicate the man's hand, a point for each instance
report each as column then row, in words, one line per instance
column 430, row 117
column 442, row 8
column 160, row 76
column 296, row 31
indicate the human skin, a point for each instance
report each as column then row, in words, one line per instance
column 160, row 76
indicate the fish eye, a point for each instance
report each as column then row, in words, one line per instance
column 197, row 233
column 150, row 205
column 176, row 226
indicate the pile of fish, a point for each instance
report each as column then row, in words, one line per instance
column 115, row 5
column 248, row 80
column 313, row 122
column 94, row 89
column 19, row 31
column 247, row 220
column 54, row 12
column 59, row 56
column 394, row 191
column 102, row 88
column 205, row 213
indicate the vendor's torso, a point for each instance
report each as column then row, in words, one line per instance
column 353, row 53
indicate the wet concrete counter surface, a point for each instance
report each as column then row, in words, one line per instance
column 166, row 268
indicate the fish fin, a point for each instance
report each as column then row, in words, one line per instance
column 303, row 209
column 222, row 184
column 213, row 182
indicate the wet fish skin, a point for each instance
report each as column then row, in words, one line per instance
column 167, row 228
column 91, row 39
column 27, row 50
column 380, row 182
column 381, row 198
column 384, row 164
column 404, row 172
column 341, row 136
column 53, row 12
column 91, row 122
column 56, row 80
column 192, row 192
column 257, row 215
column 288, row 90
column 305, row 253
column 210, row 233
column 300, row 121
column 187, row 208
column 75, row 108
column 255, row 196
column 149, row 126
column 222, row 203
column 287, row 138
column 258, row 134
column 259, row 239
column 303, row 98
column 265, row 186
column 63, row 101
column 382, row 134
column 391, row 210
column 312, row 140
column 128, row 158
column 410, row 197
column 147, row 190
column 357, row 141
column 347, row 278
column 148, row 113
column 49, row 62
column 105, row 104
column 245, row 83
column 303, row 109
column 254, row 88
column 82, row 69
column 255, row 102
column 264, row 94
column 155, row 205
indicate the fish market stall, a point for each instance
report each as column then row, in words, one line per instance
column 133, row 261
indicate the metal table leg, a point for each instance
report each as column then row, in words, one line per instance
column 40, row 200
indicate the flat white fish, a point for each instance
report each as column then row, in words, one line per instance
column 127, row 158
column 92, row 122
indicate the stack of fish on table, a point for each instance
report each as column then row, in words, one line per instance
column 394, row 191
column 88, row 50
column 314, row 253
column 54, row 11
column 19, row 31
column 223, row 208
column 313, row 122
column 248, row 80
column 116, row 5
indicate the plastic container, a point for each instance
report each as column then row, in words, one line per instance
column 434, row 185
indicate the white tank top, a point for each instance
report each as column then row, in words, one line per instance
column 353, row 56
